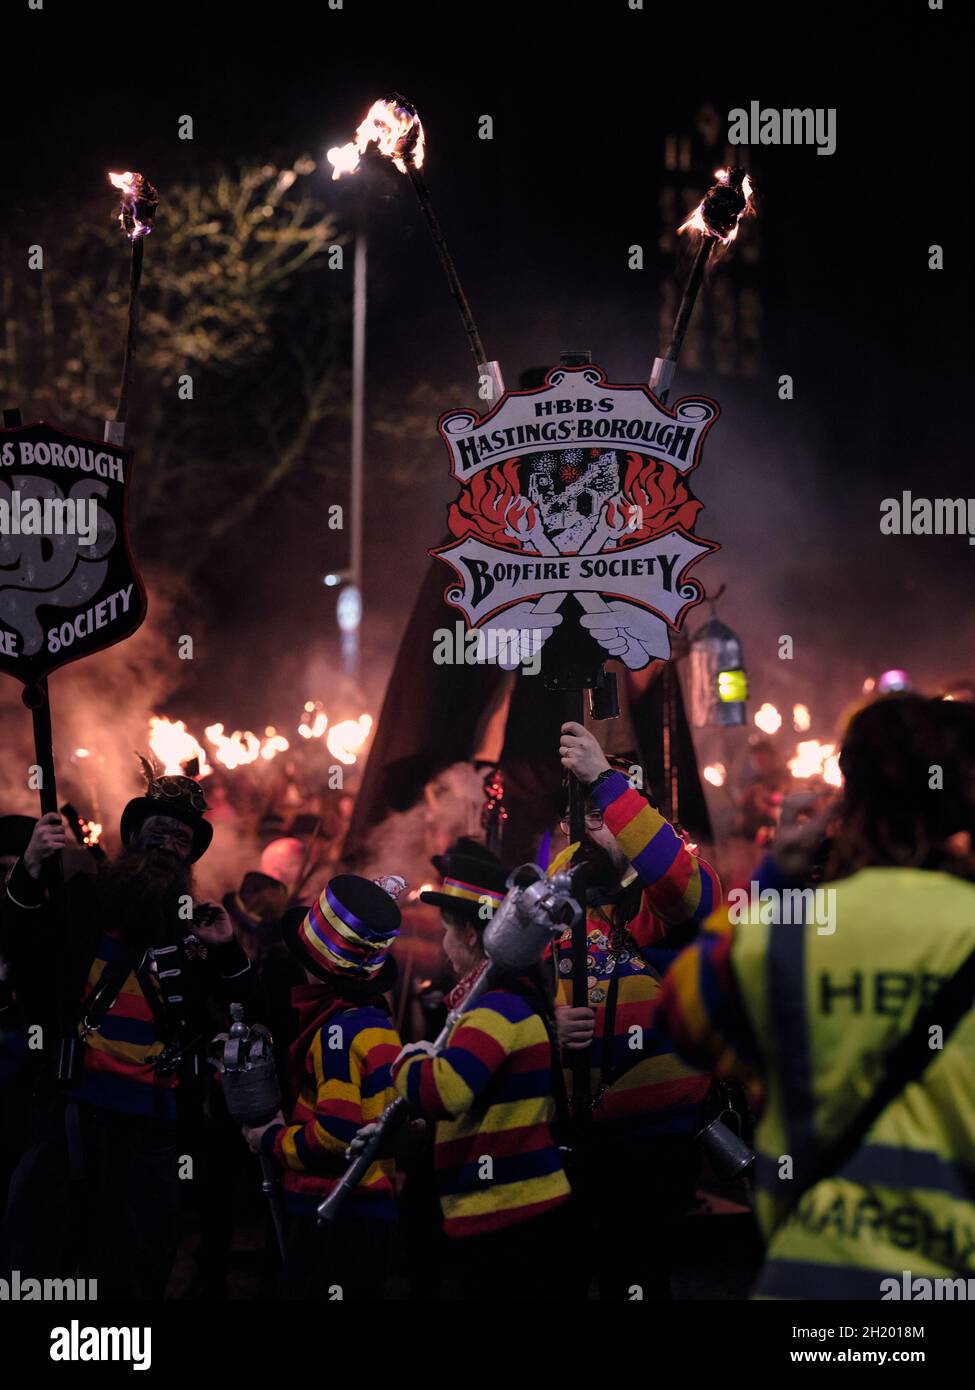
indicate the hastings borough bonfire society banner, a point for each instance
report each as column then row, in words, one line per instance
column 68, row 582
column 578, row 488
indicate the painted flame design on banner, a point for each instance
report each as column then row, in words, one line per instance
column 652, row 500
column 493, row 507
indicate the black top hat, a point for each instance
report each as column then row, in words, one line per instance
column 180, row 798
column 15, row 833
column 472, row 876
column 259, row 901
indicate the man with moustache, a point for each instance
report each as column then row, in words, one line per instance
column 637, row 1161
column 119, row 983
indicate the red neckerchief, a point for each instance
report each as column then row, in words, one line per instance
column 314, row 1004
column 455, row 997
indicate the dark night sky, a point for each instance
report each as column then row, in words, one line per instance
column 539, row 219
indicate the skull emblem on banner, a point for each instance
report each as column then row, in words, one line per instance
column 570, row 490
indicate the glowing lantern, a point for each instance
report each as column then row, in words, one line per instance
column 718, row 682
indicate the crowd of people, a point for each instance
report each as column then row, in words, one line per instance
column 844, row 1051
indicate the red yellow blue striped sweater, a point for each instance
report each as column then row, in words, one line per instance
column 342, row 1083
column 702, row 1011
column 490, row 1091
column 59, row 959
column 119, row 1055
column 648, row 1087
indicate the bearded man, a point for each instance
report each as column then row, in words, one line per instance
column 115, row 987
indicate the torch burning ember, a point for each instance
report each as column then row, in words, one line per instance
column 173, row 745
column 720, row 211
column 90, row 832
column 138, row 206
column 768, row 719
column 393, row 125
column 346, row 738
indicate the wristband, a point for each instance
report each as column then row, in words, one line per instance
column 591, row 786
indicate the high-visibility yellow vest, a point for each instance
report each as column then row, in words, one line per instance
column 826, row 1008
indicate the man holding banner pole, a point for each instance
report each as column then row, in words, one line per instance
column 637, row 1162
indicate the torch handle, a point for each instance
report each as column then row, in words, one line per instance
column 450, row 270
column 581, row 1089
column 38, row 701
column 689, row 298
column 269, row 1186
column 132, row 331
column 686, row 308
column 40, row 708
column 395, row 1115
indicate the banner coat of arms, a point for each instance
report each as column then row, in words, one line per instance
column 578, row 488
column 68, row 582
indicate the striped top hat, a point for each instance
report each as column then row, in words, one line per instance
column 472, row 877
column 348, row 932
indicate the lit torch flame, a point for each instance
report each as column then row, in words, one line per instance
column 801, row 719
column 273, row 743
column 722, row 208
column 715, row 774
column 768, row 719
column 815, row 759
column 314, row 720
column 138, row 206
column 345, row 739
column 233, row 750
column 393, row 125
column 173, row 744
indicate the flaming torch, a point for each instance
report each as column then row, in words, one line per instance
column 86, row 832
column 172, row 744
column 136, row 212
column 345, row 739
column 716, row 219
column 394, row 127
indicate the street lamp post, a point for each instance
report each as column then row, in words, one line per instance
column 349, row 600
column 351, row 615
